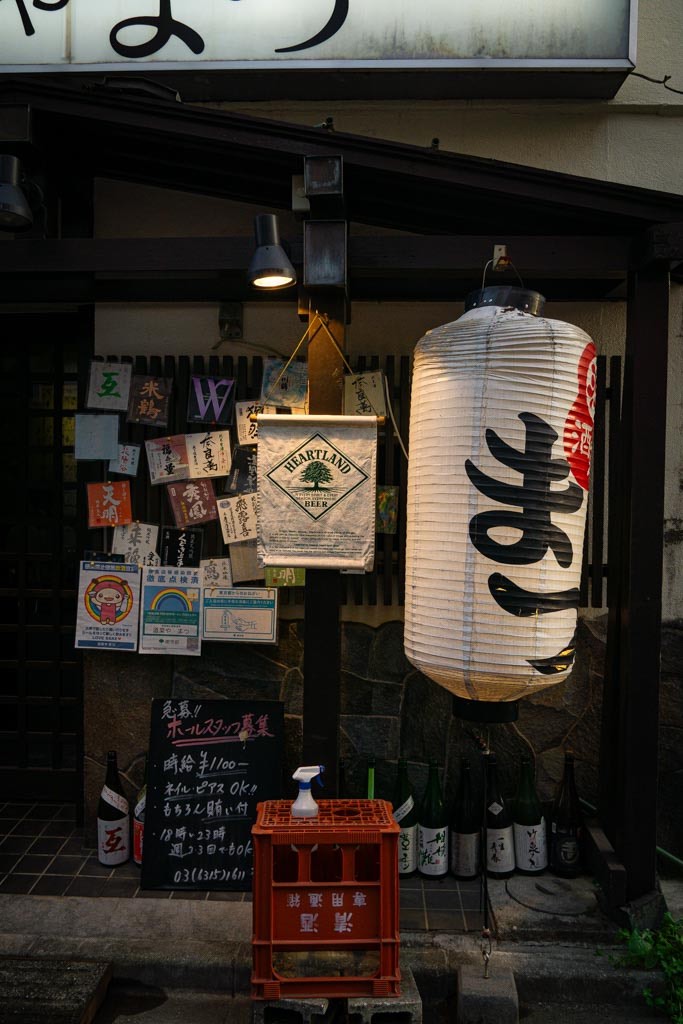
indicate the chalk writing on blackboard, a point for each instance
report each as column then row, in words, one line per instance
column 210, row 762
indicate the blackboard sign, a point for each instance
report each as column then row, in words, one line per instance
column 210, row 762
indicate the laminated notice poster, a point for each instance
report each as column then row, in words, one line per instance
column 109, row 504
column 137, row 543
column 239, row 613
column 109, row 386
column 127, row 460
column 238, row 517
column 364, row 394
column 167, row 459
column 208, row 453
column 316, row 485
column 170, row 614
column 192, row 502
column 108, row 606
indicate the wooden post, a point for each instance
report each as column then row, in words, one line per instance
column 635, row 628
column 325, row 281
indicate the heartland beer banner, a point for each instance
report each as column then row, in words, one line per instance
column 316, row 485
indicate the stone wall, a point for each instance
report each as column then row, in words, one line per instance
column 388, row 709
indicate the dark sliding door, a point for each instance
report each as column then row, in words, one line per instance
column 43, row 368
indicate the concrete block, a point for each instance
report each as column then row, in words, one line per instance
column 290, row 1011
column 491, row 1000
column 403, row 1009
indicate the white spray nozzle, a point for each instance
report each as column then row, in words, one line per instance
column 308, row 772
column 305, row 806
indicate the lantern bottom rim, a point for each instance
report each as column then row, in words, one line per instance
column 493, row 711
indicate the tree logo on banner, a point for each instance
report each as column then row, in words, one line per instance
column 317, row 475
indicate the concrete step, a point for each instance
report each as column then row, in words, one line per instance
column 134, row 1003
column 580, row 1013
column 60, row 991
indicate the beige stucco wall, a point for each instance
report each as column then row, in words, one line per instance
column 636, row 139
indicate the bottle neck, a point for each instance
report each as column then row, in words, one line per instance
column 112, row 776
column 526, row 781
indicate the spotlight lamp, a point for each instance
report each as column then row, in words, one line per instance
column 15, row 212
column 270, row 267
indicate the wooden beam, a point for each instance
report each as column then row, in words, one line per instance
column 581, row 256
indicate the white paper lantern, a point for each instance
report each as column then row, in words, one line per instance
column 500, row 438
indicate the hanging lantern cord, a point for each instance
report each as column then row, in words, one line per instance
column 291, row 359
column 380, row 419
column 509, row 263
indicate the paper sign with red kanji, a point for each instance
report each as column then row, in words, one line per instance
column 109, row 504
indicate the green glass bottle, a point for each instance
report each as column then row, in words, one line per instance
column 531, row 853
column 405, row 813
column 500, row 851
column 465, row 830
column 432, row 829
column 566, row 825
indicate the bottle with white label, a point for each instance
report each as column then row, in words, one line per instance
column 432, row 829
column 500, row 850
column 405, row 813
column 113, row 818
column 531, row 854
column 465, row 837
column 139, row 818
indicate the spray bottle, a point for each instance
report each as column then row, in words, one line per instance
column 305, row 806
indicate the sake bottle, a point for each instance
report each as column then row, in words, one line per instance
column 113, row 818
column 432, row 829
column 566, row 825
column 405, row 813
column 531, row 855
column 139, row 818
column 465, row 829
column 500, row 851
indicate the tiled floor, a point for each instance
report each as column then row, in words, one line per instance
column 42, row 853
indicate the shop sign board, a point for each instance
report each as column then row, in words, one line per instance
column 295, row 34
column 210, row 763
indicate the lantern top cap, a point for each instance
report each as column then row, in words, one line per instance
column 508, row 296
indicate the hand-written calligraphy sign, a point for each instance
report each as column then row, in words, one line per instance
column 210, row 763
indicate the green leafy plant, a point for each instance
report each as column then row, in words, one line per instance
column 661, row 949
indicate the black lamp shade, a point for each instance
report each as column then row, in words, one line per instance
column 15, row 212
column 270, row 266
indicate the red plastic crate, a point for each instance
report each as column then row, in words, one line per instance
column 328, row 883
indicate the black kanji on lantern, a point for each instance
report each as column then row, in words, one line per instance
column 537, row 502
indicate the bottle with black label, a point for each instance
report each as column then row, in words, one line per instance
column 405, row 813
column 432, row 829
column 500, row 851
column 531, row 855
column 113, row 818
column 566, row 825
column 139, row 818
column 465, row 831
